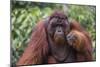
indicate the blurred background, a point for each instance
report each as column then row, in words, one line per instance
column 26, row 14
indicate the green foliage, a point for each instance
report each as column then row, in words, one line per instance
column 85, row 15
column 25, row 15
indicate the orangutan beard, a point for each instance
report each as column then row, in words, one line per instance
column 59, row 40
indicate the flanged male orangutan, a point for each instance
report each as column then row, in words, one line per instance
column 56, row 40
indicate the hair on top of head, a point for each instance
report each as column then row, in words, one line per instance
column 58, row 14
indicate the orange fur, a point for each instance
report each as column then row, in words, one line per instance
column 37, row 48
column 83, row 43
column 35, row 55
